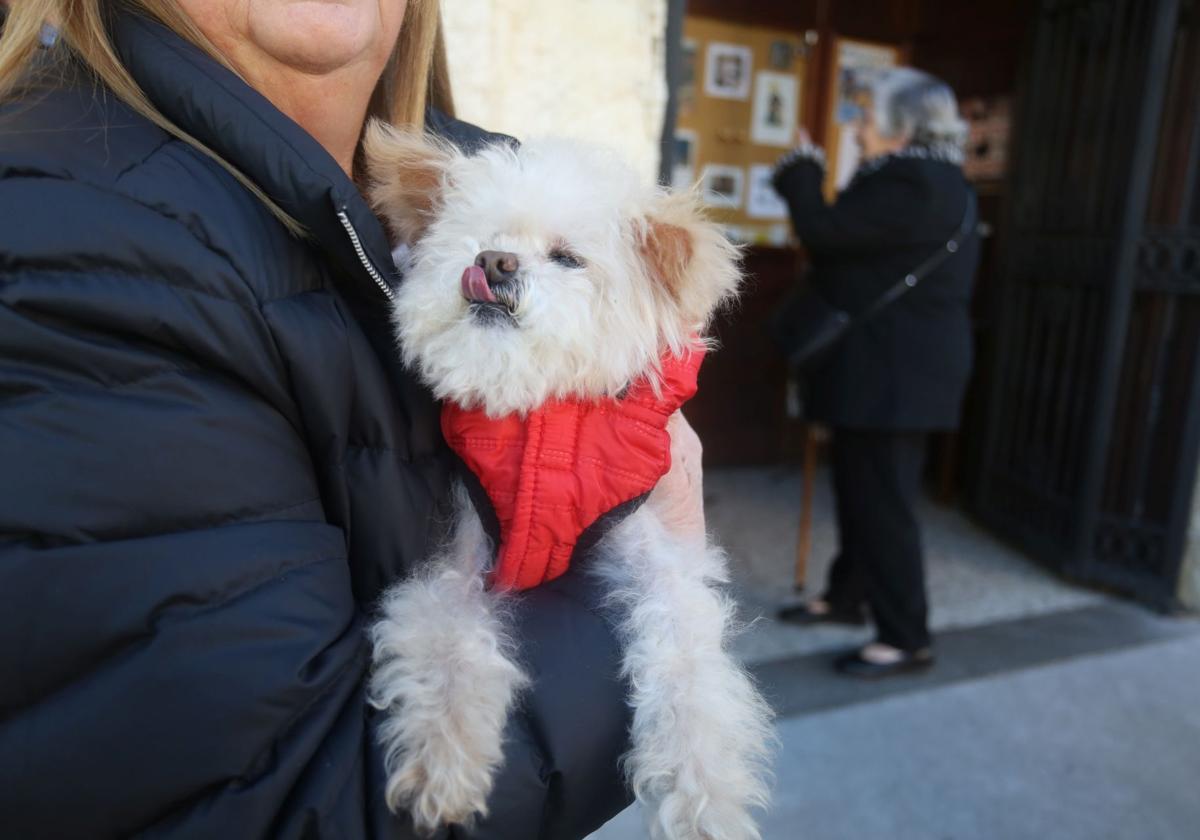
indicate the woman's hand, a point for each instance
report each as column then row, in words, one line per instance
column 678, row 499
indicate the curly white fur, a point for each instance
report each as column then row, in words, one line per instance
column 701, row 731
column 585, row 331
column 651, row 273
column 447, row 684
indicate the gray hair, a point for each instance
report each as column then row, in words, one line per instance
column 915, row 104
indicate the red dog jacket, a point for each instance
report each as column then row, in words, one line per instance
column 555, row 472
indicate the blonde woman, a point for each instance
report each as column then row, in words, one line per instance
column 212, row 462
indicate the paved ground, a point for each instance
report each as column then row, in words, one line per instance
column 1054, row 712
column 973, row 578
column 1102, row 747
column 805, row 684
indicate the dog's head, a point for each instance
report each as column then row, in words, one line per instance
column 541, row 272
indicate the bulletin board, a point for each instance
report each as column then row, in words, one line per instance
column 841, row 151
column 741, row 98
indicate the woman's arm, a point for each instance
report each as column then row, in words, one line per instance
column 180, row 646
column 874, row 214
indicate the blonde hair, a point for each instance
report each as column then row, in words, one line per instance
column 415, row 75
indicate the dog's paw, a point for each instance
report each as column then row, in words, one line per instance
column 446, row 688
column 435, row 789
column 706, row 780
column 694, row 803
column 690, row 814
column 440, row 752
column 701, row 749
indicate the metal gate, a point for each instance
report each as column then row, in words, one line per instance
column 1090, row 452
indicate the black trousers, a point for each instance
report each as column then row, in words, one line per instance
column 876, row 478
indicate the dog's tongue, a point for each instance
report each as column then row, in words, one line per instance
column 475, row 285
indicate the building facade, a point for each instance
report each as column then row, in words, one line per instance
column 592, row 69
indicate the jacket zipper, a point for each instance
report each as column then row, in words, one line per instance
column 362, row 256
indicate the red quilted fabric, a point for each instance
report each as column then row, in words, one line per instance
column 555, row 472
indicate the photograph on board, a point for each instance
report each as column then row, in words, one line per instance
column 722, row 186
column 727, row 71
column 773, row 116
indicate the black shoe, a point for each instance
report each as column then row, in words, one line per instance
column 852, row 664
column 801, row 614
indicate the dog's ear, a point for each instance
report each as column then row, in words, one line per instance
column 692, row 263
column 407, row 172
column 668, row 251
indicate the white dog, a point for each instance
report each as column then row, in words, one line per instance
column 586, row 278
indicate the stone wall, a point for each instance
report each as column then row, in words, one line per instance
column 581, row 68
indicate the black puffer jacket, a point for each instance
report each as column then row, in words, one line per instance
column 212, row 465
column 907, row 367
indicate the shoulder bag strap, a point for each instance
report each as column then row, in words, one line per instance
column 910, row 280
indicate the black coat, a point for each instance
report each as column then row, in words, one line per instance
column 907, row 367
column 212, row 465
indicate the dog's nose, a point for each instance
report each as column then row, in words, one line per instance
column 498, row 266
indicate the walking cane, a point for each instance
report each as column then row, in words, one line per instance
column 804, row 540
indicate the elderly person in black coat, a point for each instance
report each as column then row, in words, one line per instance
column 213, row 462
column 898, row 375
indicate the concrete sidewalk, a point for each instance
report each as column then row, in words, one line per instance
column 1054, row 711
column 973, row 578
column 1099, row 747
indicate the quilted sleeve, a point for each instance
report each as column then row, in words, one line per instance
column 177, row 617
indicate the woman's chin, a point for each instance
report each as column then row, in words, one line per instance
column 316, row 36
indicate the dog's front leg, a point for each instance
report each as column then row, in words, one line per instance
column 701, row 731
column 445, row 672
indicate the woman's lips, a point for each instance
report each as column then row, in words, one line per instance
column 475, row 285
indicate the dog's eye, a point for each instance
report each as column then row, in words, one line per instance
column 566, row 258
